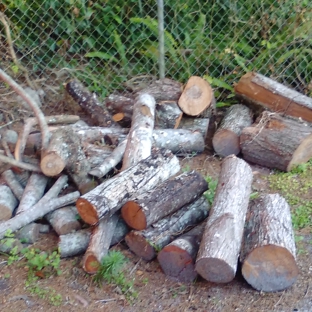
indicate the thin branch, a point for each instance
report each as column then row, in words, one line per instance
column 19, row 164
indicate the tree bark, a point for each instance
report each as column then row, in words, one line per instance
column 268, row 253
column 146, row 243
column 8, row 202
column 109, row 196
column 139, row 142
column 169, row 196
column 277, row 142
column 29, row 234
column 168, row 115
column 195, row 125
column 13, row 183
column 196, row 96
column 99, row 244
column 90, row 104
column 226, row 139
column 265, row 93
column 219, row 249
column 177, row 259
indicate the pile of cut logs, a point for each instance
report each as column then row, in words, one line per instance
column 146, row 202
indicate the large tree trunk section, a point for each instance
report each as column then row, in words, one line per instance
column 35, row 212
column 139, row 142
column 177, row 259
column 99, row 244
column 264, row 92
column 110, row 162
column 179, row 141
column 90, row 104
column 109, row 196
column 15, row 186
column 64, row 220
column 196, row 97
column 166, row 198
column 8, row 202
column 226, row 139
column 146, row 243
column 277, row 142
column 219, row 249
column 34, row 191
column 76, row 243
column 268, row 253
column 195, row 125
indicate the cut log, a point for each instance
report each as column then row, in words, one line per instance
column 277, row 142
column 139, row 142
column 168, row 115
column 268, row 253
column 196, row 97
column 99, row 244
column 29, row 234
column 177, row 259
column 96, row 154
column 15, row 186
column 34, row 191
column 64, row 220
column 226, row 139
column 166, row 198
column 35, row 212
column 219, row 249
column 76, row 243
column 8, row 202
column 265, row 93
column 90, row 104
column 195, row 125
column 179, row 141
column 146, row 243
column 109, row 196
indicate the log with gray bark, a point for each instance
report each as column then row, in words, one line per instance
column 139, row 141
column 268, row 252
column 109, row 196
column 265, row 93
column 226, row 139
column 148, row 242
column 195, row 125
column 277, row 142
column 8, row 202
column 169, row 196
column 76, row 243
column 14, row 184
column 177, row 259
column 90, row 104
column 219, row 249
column 29, row 234
column 99, row 244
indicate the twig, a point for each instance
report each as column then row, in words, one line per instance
column 33, row 105
column 106, row 300
column 136, row 265
column 19, row 164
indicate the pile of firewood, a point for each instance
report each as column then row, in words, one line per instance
column 157, row 212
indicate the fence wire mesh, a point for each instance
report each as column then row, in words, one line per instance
column 106, row 43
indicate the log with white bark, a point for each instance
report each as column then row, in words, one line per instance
column 268, row 252
column 15, row 186
column 8, row 202
column 75, row 243
column 226, row 139
column 64, row 220
column 177, row 259
column 109, row 196
column 277, row 142
column 37, row 211
column 90, row 104
column 29, row 234
column 219, row 249
column 139, row 142
column 195, row 124
column 15, row 163
column 96, row 154
column 168, row 115
column 33, row 192
column 146, row 243
column 169, row 196
column 265, row 93
column 99, row 244
column 196, row 97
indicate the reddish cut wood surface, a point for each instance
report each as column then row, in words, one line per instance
column 133, row 214
column 87, row 211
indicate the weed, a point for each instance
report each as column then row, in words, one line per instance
column 111, row 271
column 212, row 186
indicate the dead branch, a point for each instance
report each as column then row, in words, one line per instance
column 19, row 164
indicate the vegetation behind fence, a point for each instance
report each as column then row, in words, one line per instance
column 105, row 43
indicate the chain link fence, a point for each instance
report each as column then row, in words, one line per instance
column 106, row 43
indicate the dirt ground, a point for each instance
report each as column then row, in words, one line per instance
column 156, row 292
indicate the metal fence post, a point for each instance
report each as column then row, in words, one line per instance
column 161, row 39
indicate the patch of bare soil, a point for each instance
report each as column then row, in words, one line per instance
column 156, row 292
